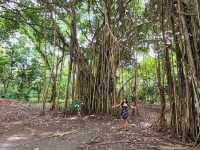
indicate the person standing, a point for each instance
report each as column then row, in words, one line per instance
column 124, row 113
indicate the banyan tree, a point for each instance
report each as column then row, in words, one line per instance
column 96, row 78
column 179, row 24
column 98, row 39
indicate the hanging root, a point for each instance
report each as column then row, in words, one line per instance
column 197, row 140
column 160, row 125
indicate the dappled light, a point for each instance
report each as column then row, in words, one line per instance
column 15, row 138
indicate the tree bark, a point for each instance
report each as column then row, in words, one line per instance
column 162, row 119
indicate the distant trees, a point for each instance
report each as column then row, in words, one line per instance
column 21, row 72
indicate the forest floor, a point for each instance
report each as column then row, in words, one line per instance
column 23, row 128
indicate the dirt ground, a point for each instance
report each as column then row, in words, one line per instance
column 23, row 128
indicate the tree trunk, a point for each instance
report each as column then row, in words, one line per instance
column 187, row 57
column 105, row 74
column 170, row 90
column 67, row 85
column 162, row 119
column 168, row 73
column 45, row 94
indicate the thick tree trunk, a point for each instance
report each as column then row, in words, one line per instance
column 73, row 82
column 53, row 93
column 181, row 82
column 170, row 90
column 162, row 119
column 106, row 68
column 55, row 84
column 67, row 90
column 167, row 64
column 45, row 94
column 84, row 78
column 187, row 57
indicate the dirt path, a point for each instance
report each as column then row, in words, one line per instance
column 50, row 132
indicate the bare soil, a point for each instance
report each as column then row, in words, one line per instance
column 23, row 128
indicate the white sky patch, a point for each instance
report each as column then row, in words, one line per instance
column 146, row 1
column 35, row 2
column 151, row 52
column 29, row 45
